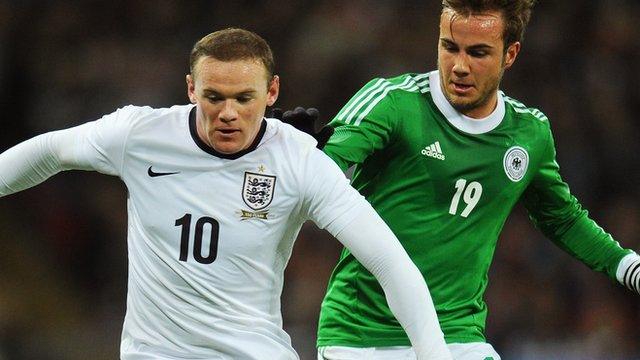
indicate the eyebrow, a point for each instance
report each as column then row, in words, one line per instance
column 209, row 92
column 472, row 47
column 480, row 47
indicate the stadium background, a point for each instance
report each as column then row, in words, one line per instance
column 62, row 244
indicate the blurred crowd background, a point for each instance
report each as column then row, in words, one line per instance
column 63, row 259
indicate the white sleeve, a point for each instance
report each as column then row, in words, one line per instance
column 374, row 245
column 328, row 198
column 35, row 160
column 333, row 204
column 97, row 145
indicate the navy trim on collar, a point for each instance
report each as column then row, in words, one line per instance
column 209, row 150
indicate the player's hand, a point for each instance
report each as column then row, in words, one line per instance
column 306, row 120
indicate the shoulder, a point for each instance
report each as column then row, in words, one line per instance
column 133, row 116
column 525, row 114
column 289, row 136
column 529, row 122
column 405, row 83
column 135, row 112
column 523, row 111
column 383, row 96
column 296, row 150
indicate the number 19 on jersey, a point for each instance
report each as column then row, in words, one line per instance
column 470, row 194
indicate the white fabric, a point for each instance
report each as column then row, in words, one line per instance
column 459, row 120
column 228, row 308
column 398, row 276
column 631, row 259
column 370, row 353
column 459, row 351
column 473, row 351
column 31, row 162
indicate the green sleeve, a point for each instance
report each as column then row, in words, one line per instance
column 363, row 126
column 561, row 218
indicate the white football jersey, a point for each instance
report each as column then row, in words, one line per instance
column 209, row 235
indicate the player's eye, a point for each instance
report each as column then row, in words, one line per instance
column 214, row 99
column 449, row 47
column 478, row 53
column 243, row 99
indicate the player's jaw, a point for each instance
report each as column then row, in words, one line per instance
column 229, row 136
column 471, row 97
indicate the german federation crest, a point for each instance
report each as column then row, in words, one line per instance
column 257, row 193
column 516, row 161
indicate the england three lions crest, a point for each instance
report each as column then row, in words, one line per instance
column 257, row 193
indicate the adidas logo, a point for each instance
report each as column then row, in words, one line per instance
column 433, row 151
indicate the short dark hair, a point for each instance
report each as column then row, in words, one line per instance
column 233, row 44
column 516, row 14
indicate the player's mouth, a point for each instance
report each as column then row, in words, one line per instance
column 461, row 88
column 227, row 132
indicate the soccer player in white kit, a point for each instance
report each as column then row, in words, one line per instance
column 217, row 196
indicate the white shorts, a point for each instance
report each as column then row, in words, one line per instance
column 467, row 351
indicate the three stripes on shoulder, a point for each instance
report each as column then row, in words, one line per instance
column 376, row 90
column 522, row 108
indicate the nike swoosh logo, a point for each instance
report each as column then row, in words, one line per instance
column 152, row 173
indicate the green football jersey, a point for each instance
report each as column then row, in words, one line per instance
column 445, row 184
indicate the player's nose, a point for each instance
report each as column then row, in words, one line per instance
column 228, row 112
column 461, row 65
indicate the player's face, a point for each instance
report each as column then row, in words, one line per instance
column 472, row 60
column 231, row 98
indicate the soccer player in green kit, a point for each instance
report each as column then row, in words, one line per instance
column 443, row 157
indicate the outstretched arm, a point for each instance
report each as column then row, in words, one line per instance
column 35, row 160
column 559, row 215
column 96, row 145
column 371, row 241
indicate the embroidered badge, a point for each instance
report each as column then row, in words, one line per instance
column 257, row 193
column 516, row 161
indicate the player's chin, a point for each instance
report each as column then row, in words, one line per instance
column 227, row 146
column 462, row 103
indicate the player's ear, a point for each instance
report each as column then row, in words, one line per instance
column 191, row 89
column 273, row 91
column 510, row 55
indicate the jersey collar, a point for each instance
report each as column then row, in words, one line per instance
column 208, row 149
column 459, row 120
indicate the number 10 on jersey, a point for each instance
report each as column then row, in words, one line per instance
column 470, row 194
column 185, row 223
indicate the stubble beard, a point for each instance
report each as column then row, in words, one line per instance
column 462, row 105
